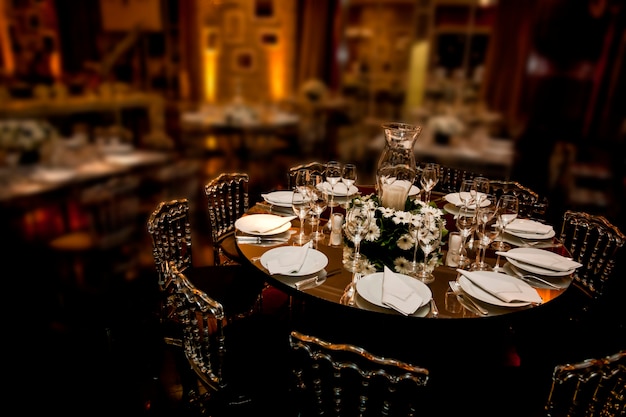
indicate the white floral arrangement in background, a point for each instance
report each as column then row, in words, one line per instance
column 388, row 241
column 446, row 124
column 22, row 135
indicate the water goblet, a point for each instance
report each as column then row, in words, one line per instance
column 332, row 175
column 348, row 176
column 508, row 209
column 487, row 231
column 465, row 224
column 482, row 186
column 356, row 226
column 319, row 202
column 429, row 231
column 467, row 192
column 300, row 203
column 428, row 180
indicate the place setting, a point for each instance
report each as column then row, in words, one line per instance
column 302, row 262
column 264, row 229
column 498, row 289
column 457, row 200
column 391, row 290
column 540, row 261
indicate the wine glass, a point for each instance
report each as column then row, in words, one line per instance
column 300, row 203
column 465, row 224
column 429, row 239
column 332, row 174
column 508, row 209
column 356, row 226
column 467, row 192
column 348, row 176
column 482, row 186
column 319, row 202
column 428, row 180
column 487, row 231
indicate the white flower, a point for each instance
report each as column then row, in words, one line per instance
column 402, row 265
column 406, row 242
column 373, row 233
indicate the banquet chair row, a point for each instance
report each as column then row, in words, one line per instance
column 592, row 387
column 531, row 205
column 314, row 166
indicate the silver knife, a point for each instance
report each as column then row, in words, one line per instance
column 314, row 280
column 257, row 239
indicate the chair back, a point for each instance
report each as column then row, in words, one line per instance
column 227, row 200
column 593, row 387
column 346, row 380
column 450, row 179
column 531, row 206
column 315, row 167
column 169, row 227
column 202, row 319
column 594, row 242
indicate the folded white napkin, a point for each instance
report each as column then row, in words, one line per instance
column 542, row 259
column 398, row 295
column 528, row 226
column 503, row 290
column 265, row 224
column 291, row 265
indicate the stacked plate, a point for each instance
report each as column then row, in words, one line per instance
column 263, row 224
column 541, row 262
column 530, row 229
column 340, row 189
column 279, row 198
column 498, row 289
column 454, row 198
column 314, row 261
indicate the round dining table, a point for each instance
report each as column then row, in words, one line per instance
column 445, row 335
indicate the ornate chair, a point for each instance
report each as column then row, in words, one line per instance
column 169, row 226
column 594, row 242
column 227, row 200
column 593, row 387
column 531, row 206
column 233, row 365
column 346, row 380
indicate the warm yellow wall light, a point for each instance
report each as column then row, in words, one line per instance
column 209, row 64
column 277, row 72
column 5, row 45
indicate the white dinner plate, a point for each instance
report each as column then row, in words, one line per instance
column 454, row 199
column 279, row 198
column 314, row 262
column 537, row 269
column 482, row 295
column 452, row 209
column 414, row 190
column 248, row 224
column 340, row 189
column 370, row 287
column 561, row 282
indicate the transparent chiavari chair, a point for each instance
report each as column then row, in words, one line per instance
column 450, row 179
column 344, row 379
column 170, row 228
column 235, row 366
column 593, row 387
column 227, row 200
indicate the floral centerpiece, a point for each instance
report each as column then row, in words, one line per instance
column 388, row 241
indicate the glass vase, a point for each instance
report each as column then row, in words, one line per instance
column 396, row 170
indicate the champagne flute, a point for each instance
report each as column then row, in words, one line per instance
column 428, row 180
column 300, row 203
column 487, row 231
column 348, row 176
column 356, row 226
column 429, row 239
column 319, row 202
column 332, row 174
column 508, row 209
column 465, row 224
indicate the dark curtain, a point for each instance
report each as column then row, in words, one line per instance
column 79, row 28
column 316, row 41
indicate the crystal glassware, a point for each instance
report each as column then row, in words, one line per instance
column 465, row 224
column 300, row 203
column 487, row 231
column 428, row 180
column 356, row 226
column 429, row 231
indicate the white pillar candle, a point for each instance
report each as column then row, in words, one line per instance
column 394, row 196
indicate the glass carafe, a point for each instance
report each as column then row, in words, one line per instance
column 397, row 169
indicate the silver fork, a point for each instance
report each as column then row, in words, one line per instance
column 456, row 289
